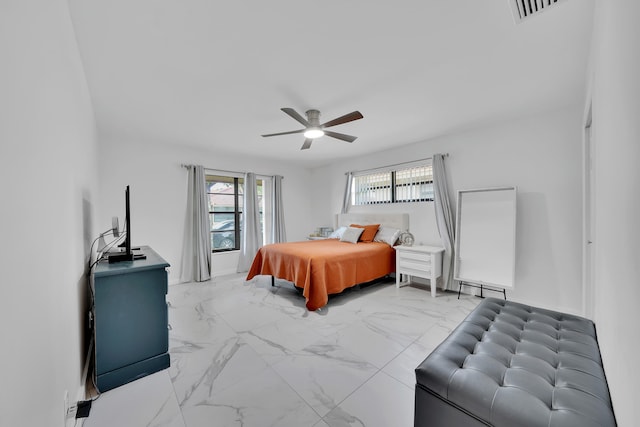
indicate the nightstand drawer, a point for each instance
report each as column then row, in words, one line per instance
column 419, row 256
column 423, row 265
column 416, row 272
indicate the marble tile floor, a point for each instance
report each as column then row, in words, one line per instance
column 249, row 354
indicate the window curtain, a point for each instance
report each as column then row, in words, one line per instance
column 278, row 233
column 346, row 200
column 196, row 253
column 444, row 219
column 251, row 236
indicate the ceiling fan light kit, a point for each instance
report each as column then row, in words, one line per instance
column 313, row 129
column 313, row 133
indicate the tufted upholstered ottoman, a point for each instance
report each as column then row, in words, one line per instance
column 509, row 364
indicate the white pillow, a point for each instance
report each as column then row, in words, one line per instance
column 387, row 235
column 337, row 234
column 351, row 234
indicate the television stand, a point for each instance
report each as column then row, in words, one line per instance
column 130, row 319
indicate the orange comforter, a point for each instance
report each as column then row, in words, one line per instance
column 324, row 267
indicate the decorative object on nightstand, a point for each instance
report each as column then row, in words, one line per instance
column 325, row 231
column 320, row 233
column 419, row 261
column 406, row 238
column 315, row 237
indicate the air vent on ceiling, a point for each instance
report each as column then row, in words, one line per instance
column 525, row 9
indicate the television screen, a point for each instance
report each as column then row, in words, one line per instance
column 128, row 254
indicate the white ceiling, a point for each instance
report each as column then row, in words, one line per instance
column 215, row 74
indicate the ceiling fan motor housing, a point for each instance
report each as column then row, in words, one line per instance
column 313, row 117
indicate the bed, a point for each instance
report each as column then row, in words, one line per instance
column 329, row 266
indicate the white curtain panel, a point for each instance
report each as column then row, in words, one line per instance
column 196, row 253
column 278, row 232
column 444, row 219
column 251, row 239
column 346, row 200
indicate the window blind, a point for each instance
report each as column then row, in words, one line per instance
column 403, row 182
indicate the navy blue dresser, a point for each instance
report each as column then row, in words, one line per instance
column 131, row 334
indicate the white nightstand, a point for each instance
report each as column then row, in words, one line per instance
column 419, row 261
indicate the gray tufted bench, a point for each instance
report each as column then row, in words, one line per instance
column 509, row 364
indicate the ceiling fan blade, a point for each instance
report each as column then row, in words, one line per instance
column 307, row 144
column 285, row 133
column 341, row 136
column 293, row 113
column 355, row 115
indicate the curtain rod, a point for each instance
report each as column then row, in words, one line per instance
column 396, row 164
column 186, row 166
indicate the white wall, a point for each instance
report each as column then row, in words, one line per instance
column 47, row 162
column 158, row 186
column 616, row 135
column 540, row 155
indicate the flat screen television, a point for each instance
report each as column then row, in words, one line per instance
column 128, row 254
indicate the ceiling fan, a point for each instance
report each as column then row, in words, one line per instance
column 313, row 129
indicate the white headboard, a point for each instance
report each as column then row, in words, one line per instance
column 392, row 220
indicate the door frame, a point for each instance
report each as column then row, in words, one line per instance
column 588, row 216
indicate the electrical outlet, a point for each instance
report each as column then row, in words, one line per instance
column 70, row 408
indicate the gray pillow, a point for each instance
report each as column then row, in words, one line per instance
column 351, row 234
column 387, row 235
column 337, row 234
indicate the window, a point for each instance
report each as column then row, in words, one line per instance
column 410, row 182
column 225, row 194
column 372, row 189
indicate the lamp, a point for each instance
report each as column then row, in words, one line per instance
column 313, row 132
